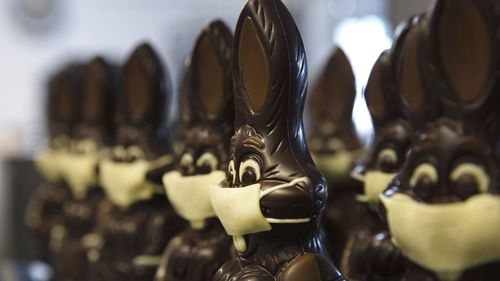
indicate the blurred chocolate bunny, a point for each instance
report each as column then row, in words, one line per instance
column 44, row 210
column 335, row 147
column 370, row 255
column 196, row 253
column 139, row 220
column 91, row 137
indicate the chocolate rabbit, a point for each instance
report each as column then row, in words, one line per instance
column 139, row 220
column 196, row 253
column 443, row 208
column 273, row 196
column 91, row 136
column 44, row 211
column 335, row 146
column 369, row 254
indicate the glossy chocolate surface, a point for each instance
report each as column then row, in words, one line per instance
column 133, row 237
column 461, row 55
column 196, row 254
column 270, row 72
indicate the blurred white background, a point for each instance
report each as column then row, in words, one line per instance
column 37, row 36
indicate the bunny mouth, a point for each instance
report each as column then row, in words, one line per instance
column 240, row 212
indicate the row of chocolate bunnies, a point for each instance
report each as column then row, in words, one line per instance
column 245, row 199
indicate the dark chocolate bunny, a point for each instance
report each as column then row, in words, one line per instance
column 370, row 255
column 196, row 253
column 273, row 196
column 91, row 136
column 44, row 211
column 139, row 221
column 443, row 208
column 335, row 146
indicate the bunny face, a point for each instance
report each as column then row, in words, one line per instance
column 447, row 190
column 449, row 163
column 448, row 185
column 271, row 182
column 206, row 135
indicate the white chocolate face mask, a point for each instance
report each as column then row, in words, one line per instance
column 49, row 164
column 239, row 211
column 336, row 166
column 79, row 171
column 125, row 183
column 190, row 195
column 446, row 238
column 375, row 183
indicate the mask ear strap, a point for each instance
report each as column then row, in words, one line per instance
column 285, row 185
column 283, row 221
column 161, row 162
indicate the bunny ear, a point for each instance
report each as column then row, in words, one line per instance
column 380, row 95
column 97, row 104
column 211, row 80
column 254, row 68
column 336, row 89
column 64, row 97
column 413, row 85
column 270, row 69
column 184, row 95
column 145, row 88
column 465, row 50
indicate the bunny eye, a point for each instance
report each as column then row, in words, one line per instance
column 469, row 179
column 186, row 164
column 207, row 163
column 134, row 152
column 424, row 180
column 387, row 160
column 249, row 172
column 119, row 152
column 231, row 171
